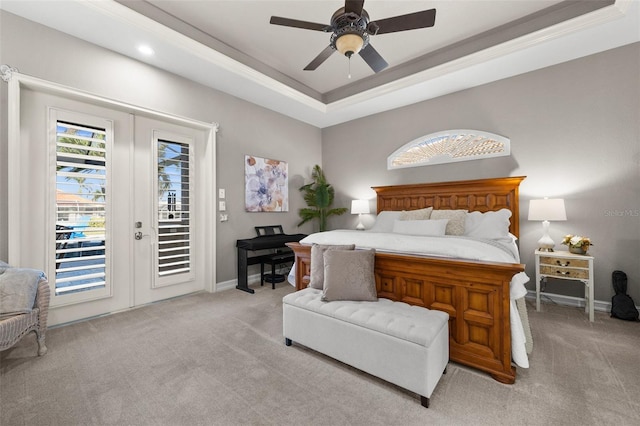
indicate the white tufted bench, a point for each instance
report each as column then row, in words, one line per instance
column 402, row 344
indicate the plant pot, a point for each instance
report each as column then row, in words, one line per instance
column 577, row 250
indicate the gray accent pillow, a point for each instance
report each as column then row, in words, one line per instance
column 457, row 219
column 420, row 214
column 317, row 262
column 18, row 288
column 349, row 275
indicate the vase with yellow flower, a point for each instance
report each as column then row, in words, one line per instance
column 577, row 243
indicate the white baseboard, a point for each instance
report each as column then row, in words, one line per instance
column 226, row 285
column 251, row 279
column 578, row 302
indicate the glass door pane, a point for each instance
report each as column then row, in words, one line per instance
column 81, row 199
column 174, row 207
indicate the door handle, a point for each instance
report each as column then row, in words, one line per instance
column 138, row 235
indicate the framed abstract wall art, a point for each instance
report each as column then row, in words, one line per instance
column 266, row 184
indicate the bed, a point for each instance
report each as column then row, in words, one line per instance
column 475, row 293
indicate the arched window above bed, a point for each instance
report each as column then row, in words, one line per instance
column 449, row 146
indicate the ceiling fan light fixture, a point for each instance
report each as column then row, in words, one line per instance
column 351, row 27
column 349, row 44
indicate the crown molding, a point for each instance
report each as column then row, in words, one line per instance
column 606, row 28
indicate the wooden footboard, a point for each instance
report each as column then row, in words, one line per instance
column 474, row 294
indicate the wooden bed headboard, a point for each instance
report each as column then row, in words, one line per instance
column 474, row 293
column 473, row 195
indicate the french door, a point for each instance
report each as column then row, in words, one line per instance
column 166, row 207
column 110, row 205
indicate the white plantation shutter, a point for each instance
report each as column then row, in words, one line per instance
column 81, row 199
column 174, row 180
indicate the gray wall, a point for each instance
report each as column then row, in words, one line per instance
column 244, row 127
column 575, row 134
column 574, row 131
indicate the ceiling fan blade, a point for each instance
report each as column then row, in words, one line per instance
column 323, row 56
column 286, row 22
column 354, row 6
column 373, row 58
column 412, row 21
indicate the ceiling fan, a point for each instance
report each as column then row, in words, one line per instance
column 350, row 27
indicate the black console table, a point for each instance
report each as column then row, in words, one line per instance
column 262, row 242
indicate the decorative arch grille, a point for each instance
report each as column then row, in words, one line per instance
column 447, row 147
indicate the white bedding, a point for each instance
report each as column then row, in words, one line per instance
column 448, row 246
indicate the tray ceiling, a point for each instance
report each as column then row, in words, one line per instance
column 230, row 46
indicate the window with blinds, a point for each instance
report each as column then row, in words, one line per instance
column 81, row 199
column 174, row 207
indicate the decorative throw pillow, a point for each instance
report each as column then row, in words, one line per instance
column 420, row 214
column 317, row 262
column 457, row 218
column 348, row 275
column 434, row 228
column 491, row 225
column 384, row 221
column 18, row 288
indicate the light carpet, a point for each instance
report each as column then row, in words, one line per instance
column 220, row 359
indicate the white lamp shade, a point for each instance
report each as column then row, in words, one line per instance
column 547, row 209
column 360, row 207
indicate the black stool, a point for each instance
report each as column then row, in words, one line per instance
column 274, row 259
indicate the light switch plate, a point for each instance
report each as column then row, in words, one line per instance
column 221, row 193
column 222, row 206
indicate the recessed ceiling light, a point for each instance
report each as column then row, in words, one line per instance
column 145, row 50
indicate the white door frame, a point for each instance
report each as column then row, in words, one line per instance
column 207, row 170
column 149, row 285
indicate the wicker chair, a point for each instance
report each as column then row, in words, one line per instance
column 14, row 328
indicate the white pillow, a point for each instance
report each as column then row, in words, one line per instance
column 433, row 228
column 384, row 221
column 490, row 225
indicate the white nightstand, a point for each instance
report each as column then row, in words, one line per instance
column 566, row 266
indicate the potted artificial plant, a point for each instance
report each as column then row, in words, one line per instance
column 319, row 198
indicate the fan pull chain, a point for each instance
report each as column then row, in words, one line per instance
column 349, row 67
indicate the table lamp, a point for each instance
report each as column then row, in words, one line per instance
column 360, row 207
column 546, row 210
